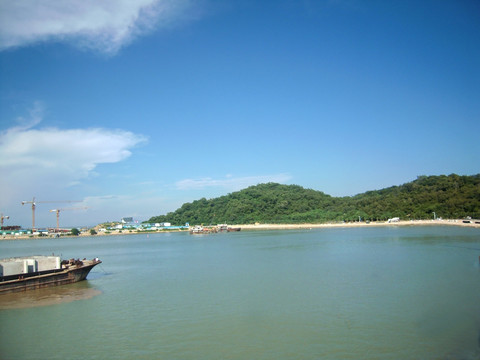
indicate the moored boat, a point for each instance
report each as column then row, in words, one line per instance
column 35, row 272
column 198, row 229
column 230, row 229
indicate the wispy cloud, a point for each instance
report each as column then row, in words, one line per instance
column 50, row 159
column 114, row 207
column 101, row 25
column 229, row 182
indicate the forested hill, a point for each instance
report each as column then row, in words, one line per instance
column 450, row 196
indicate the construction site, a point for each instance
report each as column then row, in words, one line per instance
column 15, row 230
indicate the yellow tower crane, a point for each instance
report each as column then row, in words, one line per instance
column 34, row 204
column 2, row 217
column 58, row 214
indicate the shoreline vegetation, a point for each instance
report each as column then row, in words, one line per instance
column 272, row 206
column 266, row 227
column 427, row 197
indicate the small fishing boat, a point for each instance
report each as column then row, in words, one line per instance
column 35, row 272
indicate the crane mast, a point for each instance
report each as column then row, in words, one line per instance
column 3, row 217
column 34, row 204
column 58, row 214
column 33, row 211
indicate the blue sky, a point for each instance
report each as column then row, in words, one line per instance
column 135, row 107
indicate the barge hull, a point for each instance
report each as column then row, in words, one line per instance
column 67, row 276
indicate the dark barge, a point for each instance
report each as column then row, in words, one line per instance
column 36, row 272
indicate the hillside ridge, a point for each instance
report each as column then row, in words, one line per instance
column 427, row 197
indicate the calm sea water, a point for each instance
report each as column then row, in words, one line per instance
column 363, row 293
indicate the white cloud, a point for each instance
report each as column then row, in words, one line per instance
column 102, row 25
column 230, row 183
column 47, row 160
column 73, row 152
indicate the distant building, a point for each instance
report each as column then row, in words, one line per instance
column 127, row 220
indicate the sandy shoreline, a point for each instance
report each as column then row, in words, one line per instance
column 266, row 227
column 358, row 224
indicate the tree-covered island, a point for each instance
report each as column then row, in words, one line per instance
column 427, row 197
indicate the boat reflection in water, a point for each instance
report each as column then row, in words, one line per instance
column 48, row 296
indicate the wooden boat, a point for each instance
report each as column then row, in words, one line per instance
column 35, row 272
